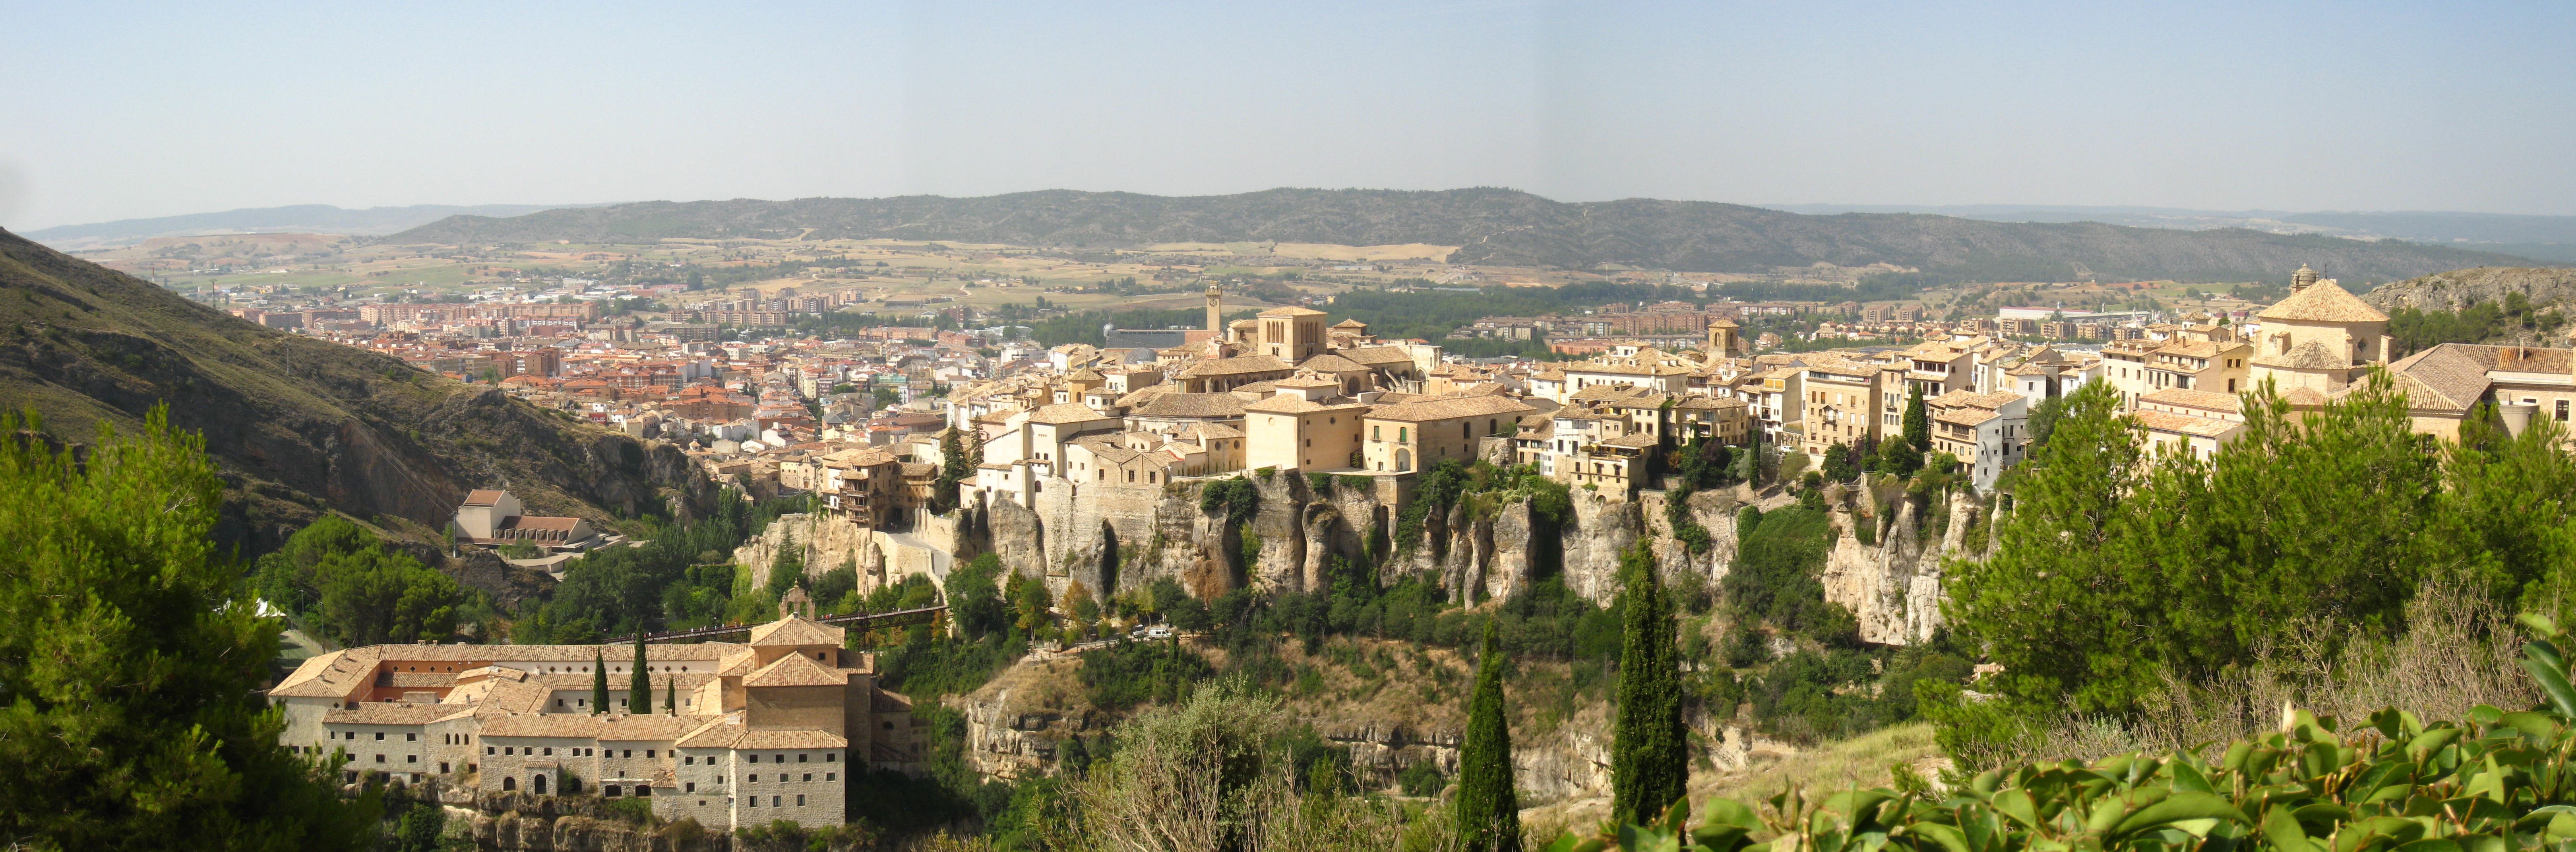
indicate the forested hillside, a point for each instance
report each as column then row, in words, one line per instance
column 299, row 426
column 1499, row 227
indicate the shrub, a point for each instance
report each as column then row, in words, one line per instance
column 2493, row 781
column 1421, row 779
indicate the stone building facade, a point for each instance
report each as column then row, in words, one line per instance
column 736, row 734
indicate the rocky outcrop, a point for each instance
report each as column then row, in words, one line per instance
column 2460, row 288
column 1893, row 587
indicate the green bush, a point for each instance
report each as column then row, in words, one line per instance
column 1421, row 779
column 2496, row 781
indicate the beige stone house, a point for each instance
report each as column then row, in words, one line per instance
column 1411, row 436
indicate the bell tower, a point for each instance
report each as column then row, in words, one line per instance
column 1723, row 339
column 1215, row 310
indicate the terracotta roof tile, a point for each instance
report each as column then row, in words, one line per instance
column 796, row 670
column 796, row 631
column 2323, row 301
column 1451, row 407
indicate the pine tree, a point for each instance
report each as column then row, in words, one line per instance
column 1649, row 751
column 1488, row 807
column 639, row 693
column 598, row 682
column 133, row 657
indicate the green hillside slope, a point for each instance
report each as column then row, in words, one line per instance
column 300, row 425
column 1501, row 227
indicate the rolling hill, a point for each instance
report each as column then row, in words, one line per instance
column 1501, row 227
column 298, row 218
column 299, row 425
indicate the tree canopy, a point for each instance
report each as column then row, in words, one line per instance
column 129, row 675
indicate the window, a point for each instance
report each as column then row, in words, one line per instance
column 380, row 735
column 778, row 758
column 753, row 778
column 755, row 802
column 690, row 787
column 691, row 760
column 411, row 758
column 2562, row 411
column 755, row 758
column 800, row 800
column 410, row 738
column 808, row 777
column 800, row 757
column 648, row 753
column 773, row 801
column 380, row 758
column 550, row 751
column 828, row 776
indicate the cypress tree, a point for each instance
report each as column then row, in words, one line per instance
column 639, row 694
column 598, row 682
column 1489, row 811
column 670, row 696
column 1650, row 753
column 1918, row 422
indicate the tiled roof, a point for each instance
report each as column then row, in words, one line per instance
column 484, row 497
column 2323, row 301
column 796, row 670
column 1331, row 363
column 2166, row 421
column 1240, row 365
column 1291, row 311
column 2207, row 400
column 2528, row 359
column 539, row 522
column 1191, row 405
column 2445, row 377
column 1376, row 356
column 1295, row 405
column 375, row 713
column 1066, row 412
column 650, row 727
column 796, row 631
column 1211, row 431
column 1446, row 408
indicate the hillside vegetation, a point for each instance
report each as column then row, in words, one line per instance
column 299, row 426
column 1499, row 227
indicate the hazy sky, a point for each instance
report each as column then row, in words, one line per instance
column 114, row 111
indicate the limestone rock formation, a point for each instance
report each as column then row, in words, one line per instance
column 2460, row 288
column 1893, row 588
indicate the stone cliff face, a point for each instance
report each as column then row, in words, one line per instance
column 1120, row 537
column 2460, row 288
column 1894, row 587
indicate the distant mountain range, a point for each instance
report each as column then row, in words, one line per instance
column 1505, row 228
column 300, row 218
column 2551, row 238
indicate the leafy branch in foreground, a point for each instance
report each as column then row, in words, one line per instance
column 2496, row 781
